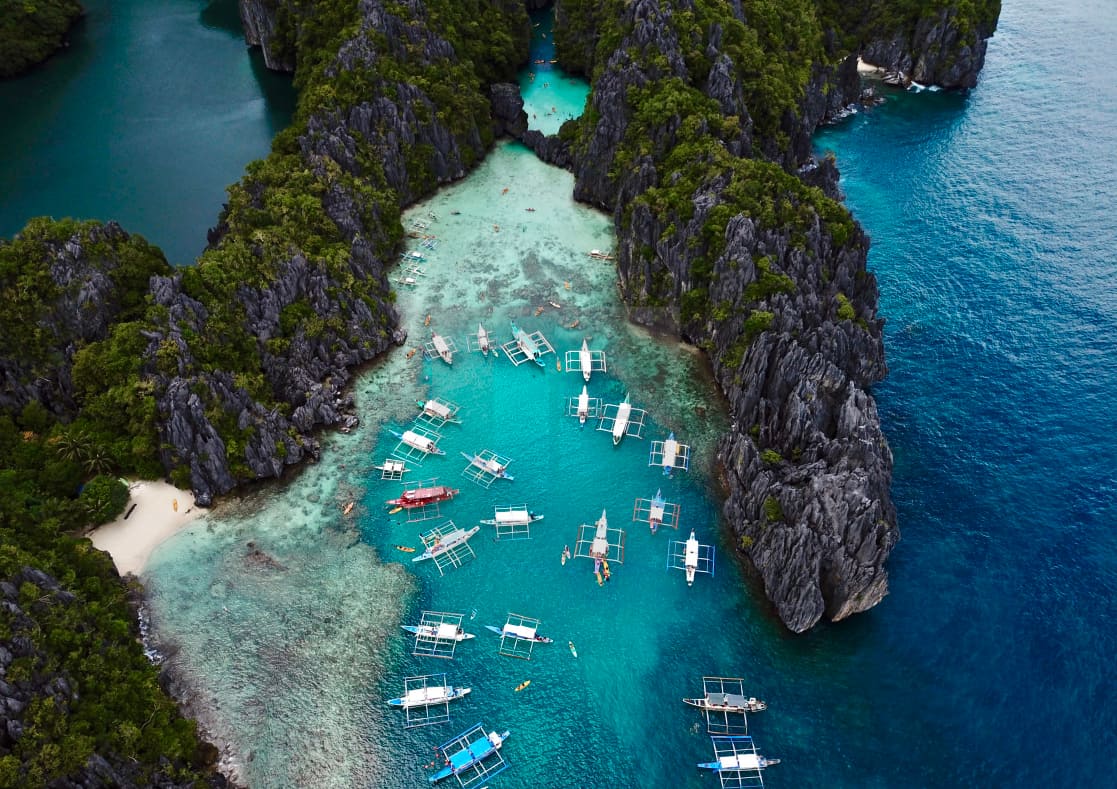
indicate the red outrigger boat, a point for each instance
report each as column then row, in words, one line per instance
column 420, row 497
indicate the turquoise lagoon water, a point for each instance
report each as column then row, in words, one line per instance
column 146, row 118
column 551, row 96
column 644, row 639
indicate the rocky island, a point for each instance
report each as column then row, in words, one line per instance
column 32, row 32
column 696, row 139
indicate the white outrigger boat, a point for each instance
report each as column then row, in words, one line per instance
column 739, row 762
column 727, row 702
column 446, row 542
column 520, row 516
column 670, row 452
column 585, row 358
column 521, row 632
column 444, row 631
column 486, row 466
column 480, row 341
column 442, row 348
column 620, row 423
column 583, row 406
column 392, row 469
column 585, row 361
column 690, row 560
column 438, row 412
column 424, row 444
column 429, row 696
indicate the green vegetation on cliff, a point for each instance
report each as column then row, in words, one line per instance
column 31, row 30
column 858, row 21
column 72, row 655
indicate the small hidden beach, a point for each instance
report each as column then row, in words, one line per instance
column 155, row 512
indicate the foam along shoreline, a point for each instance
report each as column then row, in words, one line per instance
column 160, row 511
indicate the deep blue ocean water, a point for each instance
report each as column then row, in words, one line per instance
column 993, row 227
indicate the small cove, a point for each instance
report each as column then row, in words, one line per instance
column 145, row 119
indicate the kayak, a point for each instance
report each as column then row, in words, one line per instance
column 573, row 651
column 405, row 548
column 523, row 685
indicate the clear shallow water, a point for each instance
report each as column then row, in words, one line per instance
column 151, row 112
column 495, row 262
column 990, row 664
column 551, row 96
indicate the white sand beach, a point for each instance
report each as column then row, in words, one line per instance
column 161, row 510
column 868, row 69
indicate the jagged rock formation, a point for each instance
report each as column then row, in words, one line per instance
column 313, row 317
column 935, row 52
column 258, row 18
column 35, row 694
column 64, row 284
column 774, row 287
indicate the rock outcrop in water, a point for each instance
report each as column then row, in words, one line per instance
column 759, row 270
column 258, row 18
column 941, row 48
column 32, row 32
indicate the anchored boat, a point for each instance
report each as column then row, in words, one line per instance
column 473, row 752
column 424, row 444
column 727, row 702
column 690, row 560
column 421, row 497
column 655, row 512
column 527, row 344
column 488, row 463
column 428, row 696
column 522, row 632
column 446, row 542
column 445, row 631
column 442, row 347
column 620, row 423
column 518, row 516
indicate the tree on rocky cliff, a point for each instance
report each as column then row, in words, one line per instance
column 31, row 31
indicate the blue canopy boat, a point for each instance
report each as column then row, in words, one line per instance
column 474, row 751
column 528, row 345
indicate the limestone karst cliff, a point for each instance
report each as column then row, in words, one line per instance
column 727, row 235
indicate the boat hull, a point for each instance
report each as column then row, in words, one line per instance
column 538, row 639
column 754, row 705
column 431, row 631
column 406, row 704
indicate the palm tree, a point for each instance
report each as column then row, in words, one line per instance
column 73, row 445
column 98, row 460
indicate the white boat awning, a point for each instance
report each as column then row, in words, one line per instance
column 514, row 517
column 740, row 761
column 446, row 630
column 520, row 631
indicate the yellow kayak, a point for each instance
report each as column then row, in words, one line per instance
column 523, row 685
column 405, row 548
